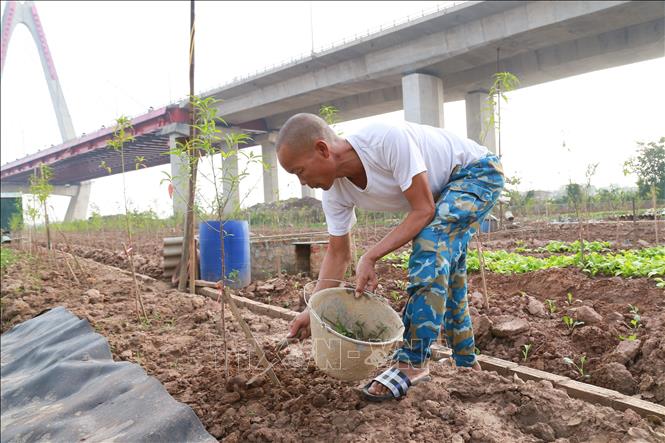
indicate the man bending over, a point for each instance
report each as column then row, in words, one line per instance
column 447, row 184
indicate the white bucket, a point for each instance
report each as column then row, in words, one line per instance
column 343, row 357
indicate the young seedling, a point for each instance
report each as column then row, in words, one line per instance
column 631, row 337
column 635, row 311
column 358, row 332
column 580, row 368
column 525, row 351
column 569, row 298
column 551, row 305
column 571, row 323
column 395, row 296
column 636, row 322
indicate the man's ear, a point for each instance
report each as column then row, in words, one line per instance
column 321, row 147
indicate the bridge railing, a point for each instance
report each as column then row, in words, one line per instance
column 339, row 43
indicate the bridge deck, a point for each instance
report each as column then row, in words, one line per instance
column 79, row 159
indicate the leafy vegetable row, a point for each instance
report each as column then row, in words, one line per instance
column 555, row 246
column 649, row 262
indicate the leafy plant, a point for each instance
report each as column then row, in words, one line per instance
column 551, row 305
column 580, row 368
column 103, row 165
column 571, row 323
column 329, row 114
column 569, row 298
column 525, row 351
column 121, row 136
column 42, row 189
column 502, row 82
column 634, row 324
column 634, row 310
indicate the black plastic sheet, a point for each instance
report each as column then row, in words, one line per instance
column 60, row 383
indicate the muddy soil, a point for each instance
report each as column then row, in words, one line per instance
column 181, row 345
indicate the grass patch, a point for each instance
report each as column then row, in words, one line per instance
column 7, row 257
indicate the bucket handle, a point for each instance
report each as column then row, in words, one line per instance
column 349, row 286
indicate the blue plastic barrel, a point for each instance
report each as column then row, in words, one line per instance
column 236, row 252
column 485, row 226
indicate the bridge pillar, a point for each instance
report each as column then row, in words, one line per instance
column 422, row 99
column 270, row 179
column 306, row 191
column 179, row 179
column 231, row 185
column 477, row 119
column 78, row 204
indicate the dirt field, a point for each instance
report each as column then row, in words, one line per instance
column 181, row 345
column 631, row 367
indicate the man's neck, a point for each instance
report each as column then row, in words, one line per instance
column 349, row 165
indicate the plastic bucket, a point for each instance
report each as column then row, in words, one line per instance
column 236, row 252
column 346, row 358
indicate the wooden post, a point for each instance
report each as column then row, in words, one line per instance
column 188, row 257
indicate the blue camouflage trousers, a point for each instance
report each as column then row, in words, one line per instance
column 437, row 267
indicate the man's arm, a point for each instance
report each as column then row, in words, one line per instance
column 421, row 214
column 334, row 265
column 335, row 262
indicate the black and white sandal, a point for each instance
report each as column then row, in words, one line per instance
column 397, row 382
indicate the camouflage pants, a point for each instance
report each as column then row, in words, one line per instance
column 437, row 267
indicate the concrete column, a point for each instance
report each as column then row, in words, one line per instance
column 78, row 204
column 477, row 118
column 270, row 180
column 422, row 98
column 179, row 178
column 306, row 191
column 231, row 185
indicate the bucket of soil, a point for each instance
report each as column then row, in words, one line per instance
column 351, row 337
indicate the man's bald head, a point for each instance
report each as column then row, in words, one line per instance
column 301, row 132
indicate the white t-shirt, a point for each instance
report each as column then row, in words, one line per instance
column 392, row 155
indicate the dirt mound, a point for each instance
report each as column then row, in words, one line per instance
column 287, row 205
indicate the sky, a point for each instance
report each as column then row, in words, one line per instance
column 120, row 58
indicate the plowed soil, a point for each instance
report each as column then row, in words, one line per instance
column 181, row 345
column 636, row 368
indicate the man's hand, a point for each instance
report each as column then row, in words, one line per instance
column 366, row 279
column 299, row 327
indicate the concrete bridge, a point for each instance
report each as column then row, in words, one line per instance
column 445, row 56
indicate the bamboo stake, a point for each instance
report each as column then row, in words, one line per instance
column 70, row 250
column 71, row 271
column 250, row 338
column 140, row 309
column 481, row 260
